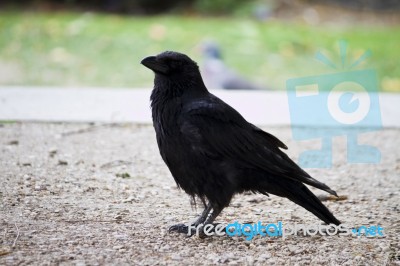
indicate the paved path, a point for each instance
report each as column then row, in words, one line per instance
column 63, row 200
column 132, row 105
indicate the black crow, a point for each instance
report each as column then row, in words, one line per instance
column 212, row 152
column 217, row 75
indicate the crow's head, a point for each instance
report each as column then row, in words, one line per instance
column 171, row 64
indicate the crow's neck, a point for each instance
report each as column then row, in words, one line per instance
column 168, row 93
column 167, row 100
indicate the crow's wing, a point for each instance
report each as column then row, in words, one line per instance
column 215, row 129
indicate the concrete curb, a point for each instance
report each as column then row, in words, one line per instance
column 133, row 105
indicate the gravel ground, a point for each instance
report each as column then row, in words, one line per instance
column 100, row 194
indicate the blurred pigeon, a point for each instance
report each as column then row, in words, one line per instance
column 217, row 75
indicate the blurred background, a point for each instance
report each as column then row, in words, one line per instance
column 99, row 43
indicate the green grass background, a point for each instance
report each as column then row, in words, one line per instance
column 87, row 49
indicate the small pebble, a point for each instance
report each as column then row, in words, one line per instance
column 176, row 257
column 62, row 162
column 13, row 142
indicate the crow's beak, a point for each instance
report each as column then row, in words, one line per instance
column 152, row 63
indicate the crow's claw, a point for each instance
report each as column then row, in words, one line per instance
column 180, row 228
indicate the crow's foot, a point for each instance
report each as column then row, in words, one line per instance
column 182, row 229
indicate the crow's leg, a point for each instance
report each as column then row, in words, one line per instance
column 210, row 219
column 182, row 228
column 203, row 215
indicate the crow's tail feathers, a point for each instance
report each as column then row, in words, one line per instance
column 315, row 183
column 302, row 196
